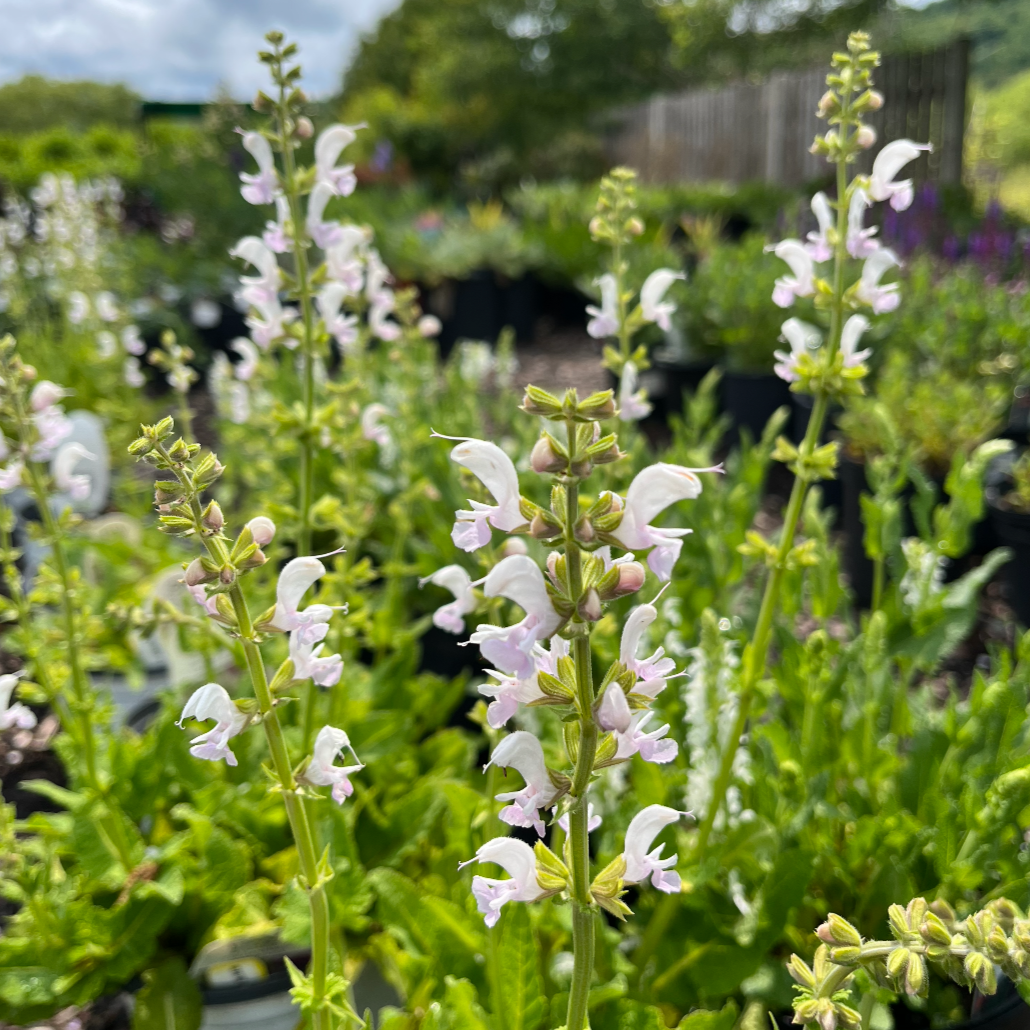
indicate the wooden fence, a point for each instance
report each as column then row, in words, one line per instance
column 748, row 132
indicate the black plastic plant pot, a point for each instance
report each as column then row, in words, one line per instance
column 520, row 306
column 750, row 398
column 1013, row 531
column 477, row 310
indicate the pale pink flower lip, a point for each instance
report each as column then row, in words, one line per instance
column 652, row 307
column 516, row 858
column 640, row 864
column 522, row 751
column 887, row 165
column 321, row 772
column 212, row 701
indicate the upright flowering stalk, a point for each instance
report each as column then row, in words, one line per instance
column 544, row 660
column 834, row 368
column 215, row 581
column 616, row 224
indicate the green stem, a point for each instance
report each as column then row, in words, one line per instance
column 865, row 1008
column 300, row 825
column 185, row 417
column 579, row 843
column 877, row 583
column 757, row 652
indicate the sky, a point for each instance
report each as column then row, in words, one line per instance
column 179, row 49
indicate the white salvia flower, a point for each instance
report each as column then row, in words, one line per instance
column 852, row 332
column 308, row 663
column 132, row 373
column 374, row 430
column 860, row 242
column 613, row 713
column 212, row 701
column 343, row 260
column 344, row 328
column 247, row 366
column 880, row 298
column 105, row 307
column 640, row 864
column 62, row 469
column 802, row 283
column 45, row 394
column 262, row 289
column 522, row 751
column 260, row 188
column 132, row 341
column 295, row 580
column 652, row 673
column 650, row 493
column 651, row 293
column 508, row 692
column 11, row 475
column 604, row 320
column 886, row 166
column 107, row 344
column 593, row 821
column 429, row 325
column 547, row 660
column 633, row 403
column 510, row 648
column 78, row 307
column 262, row 530
column 378, row 323
column 450, row 617
column 324, row 234
column 238, row 397
column 818, row 245
column 270, row 322
column 199, row 594
column 52, row 426
column 16, row 715
column 803, row 339
column 330, row 144
column 516, row 858
column 275, row 237
column 496, row 471
column 652, row 747
column 321, row 772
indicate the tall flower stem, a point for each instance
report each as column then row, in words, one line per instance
column 300, row 825
column 757, row 652
column 582, row 908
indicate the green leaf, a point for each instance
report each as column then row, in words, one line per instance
column 520, row 1003
column 169, row 1000
column 708, row 1020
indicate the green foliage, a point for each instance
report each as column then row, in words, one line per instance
column 34, row 104
column 169, row 999
column 98, row 151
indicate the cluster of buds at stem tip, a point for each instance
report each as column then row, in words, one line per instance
column 968, row 951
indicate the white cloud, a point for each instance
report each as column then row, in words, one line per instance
column 179, row 49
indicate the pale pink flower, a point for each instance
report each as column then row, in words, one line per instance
column 52, row 426
column 260, row 188
column 199, row 594
column 247, row 366
column 819, row 246
column 516, row 858
column 522, row 751
column 308, row 663
column 16, row 715
column 593, row 821
column 372, row 426
column 802, row 282
column 211, row 701
column 508, row 692
column 295, row 580
column 653, row 672
column 321, row 772
column 45, row 394
column 343, row 259
column 803, row 339
column 655, row 746
column 880, row 298
column 262, row 530
column 652, row 307
column 77, row 486
column 510, row 648
column 614, row 713
column 330, row 144
column 860, row 242
column 633, row 403
column 640, row 835
column 429, row 325
column 105, row 306
column 264, row 288
column 852, row 332
column 378, row 324
column 132, row 373
column 324, row 234
column 132, row 341
column 343, row 328
column 604, row 320
column 11, row 475
column 886, row 166
column 496, row 471
column 275, row 237
column 650, row 493
column 450, row 617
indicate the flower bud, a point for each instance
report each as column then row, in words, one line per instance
column 304, row 129
column 196, row 573
column 553, row 557
column 590, row 606
column 597, row 227
column 631, row 578
column 875, row 100
column 827, row 103
column 227, row 575
column 256, row 559
column 262, row 529
column 167, row 491
column 429, row 325
column 614, row 713
column 514, row 545
column 541, row 529
column 44, row 394
column 597, row 407
column 581, row 469
column 865, row 137
column 212, row 517
column 544, row 459
column 179, row 451
column 584, row 531
column 634, row 226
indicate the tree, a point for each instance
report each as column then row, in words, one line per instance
column 34, row 103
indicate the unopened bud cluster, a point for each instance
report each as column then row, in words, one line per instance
column 615, row 220
column 969, row 951
column 842, row 108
